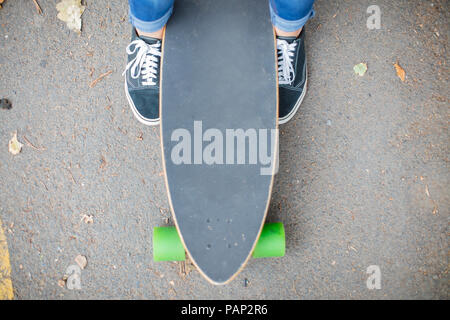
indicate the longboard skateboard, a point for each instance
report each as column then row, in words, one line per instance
column 219, row 138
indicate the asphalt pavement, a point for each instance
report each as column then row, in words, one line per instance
column 363, row 177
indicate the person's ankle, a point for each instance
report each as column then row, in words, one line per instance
column 157, row 34
column 281, row 33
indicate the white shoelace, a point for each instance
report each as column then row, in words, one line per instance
column 286, row 51
column 145, row 62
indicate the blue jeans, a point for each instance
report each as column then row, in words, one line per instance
column 287, row 15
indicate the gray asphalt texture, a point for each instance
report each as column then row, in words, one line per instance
column 363, row 174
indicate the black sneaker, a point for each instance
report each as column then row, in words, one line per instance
column 142, row 78
column 292, row 75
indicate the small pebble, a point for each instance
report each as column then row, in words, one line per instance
column 5, row 104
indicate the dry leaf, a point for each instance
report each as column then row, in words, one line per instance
column 62, row 283
column 435, row 209
column 14, row 145
column 81, row 261
column 360, row 69
column 102, row 162
column 400, row 72
column 70, row 12
column 89, row 219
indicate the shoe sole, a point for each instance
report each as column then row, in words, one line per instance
column 297, row 104
column 141, row 119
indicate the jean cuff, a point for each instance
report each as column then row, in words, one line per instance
column 289, row 25
column 150, row 26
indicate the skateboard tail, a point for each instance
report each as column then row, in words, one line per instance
column 167, row 245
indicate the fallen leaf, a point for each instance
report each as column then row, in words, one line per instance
column 89, row 219
column 70, row 12
column 81, row 261
column 102, row 162
column 61, row 283
column 360, row 69
column 400, row 72
column 435, row 209
column 14, row 145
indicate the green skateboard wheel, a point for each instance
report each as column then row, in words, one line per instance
column 167, row 245
column 272, row 242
